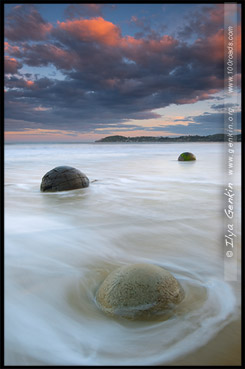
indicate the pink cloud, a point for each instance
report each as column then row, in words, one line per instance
column 11, row 65
column 101, row 31
column 29, row 84
column 210, row 48
column 237, row 40
column 12, row 50
column 96, row 29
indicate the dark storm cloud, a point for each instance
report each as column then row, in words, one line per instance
column 67, row 104
column 108, row 78
column 25, row 23
column 203, row 22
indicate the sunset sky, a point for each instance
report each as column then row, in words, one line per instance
column 80, row 72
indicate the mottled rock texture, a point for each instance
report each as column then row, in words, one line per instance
column 138, row 291
column 186, row 156
column 63, row 178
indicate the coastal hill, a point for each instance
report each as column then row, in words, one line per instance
column 219, row 137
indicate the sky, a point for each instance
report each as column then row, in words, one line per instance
column 81, row 72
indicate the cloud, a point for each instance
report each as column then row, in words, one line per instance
column 47, row 53
column 41, row 108
column 11, row 50
column 203, row 124
column 108, row 77
column 92, row 30
column 19, row 125
column 147, row 27
column 203, row 22
column 221, row 107
column 84, row 10
column 210, row 49
column 16, row 83
column 206, row 25
column 24, row 22
column 11, row 65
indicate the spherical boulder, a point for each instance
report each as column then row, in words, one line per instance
column 139, row 291
column 186, row 156
column 63, row 178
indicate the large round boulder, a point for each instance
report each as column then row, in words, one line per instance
column 63, row 178
column 186, row 156
column 139, row 291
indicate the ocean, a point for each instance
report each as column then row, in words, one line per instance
column 142, row 206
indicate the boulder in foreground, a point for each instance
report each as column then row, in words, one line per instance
column 63, row 178
column 139, row 291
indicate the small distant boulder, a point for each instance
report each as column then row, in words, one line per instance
column 63, row 178
column 186, row 156
column 139, row 291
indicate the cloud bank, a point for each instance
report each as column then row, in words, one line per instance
column 107, row 77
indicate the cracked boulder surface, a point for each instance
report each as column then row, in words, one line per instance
column 63, row 178
column 139, row 291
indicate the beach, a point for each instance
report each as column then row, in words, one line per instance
column 142, row 206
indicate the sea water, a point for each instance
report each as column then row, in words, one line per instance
column 142, row 205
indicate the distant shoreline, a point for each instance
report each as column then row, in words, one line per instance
column 141, row 139
column 109, row 143
column 220, row 137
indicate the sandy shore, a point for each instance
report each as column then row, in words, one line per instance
column 223, row 349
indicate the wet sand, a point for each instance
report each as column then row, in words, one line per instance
column 223, row 349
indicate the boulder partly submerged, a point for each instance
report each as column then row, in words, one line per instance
column 186, row 156
column 63, row 178
column 139, row 291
